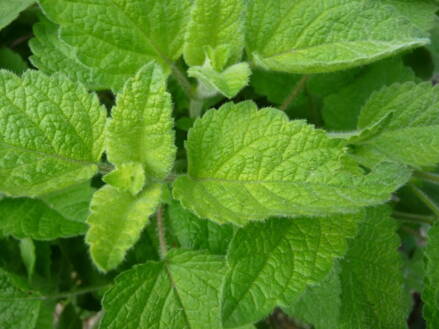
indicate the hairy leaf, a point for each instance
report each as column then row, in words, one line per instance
column 320, row 304
column 129, row 176
column 248, row 164
column 19, row 308
column 412, row 136
column 116, row 38
column 215, row 25
column 228, row 82
column 430, row 294
column 342, row 109
column 51, row 54
column 272, row 263
column 51, row 133
column 117, row 218
column 9, row 10
column 182, row 291
column 23, row 217
column 331, row 35
column 371, row 278
column 141, row 126
column 195, row 233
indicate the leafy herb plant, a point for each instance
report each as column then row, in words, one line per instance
column 215, row 164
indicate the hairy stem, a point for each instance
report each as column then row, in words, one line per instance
column 426, row 200
column 431, row 177
column 161, row 233
column 294, row 93
column 183, row 82
column 414, row 217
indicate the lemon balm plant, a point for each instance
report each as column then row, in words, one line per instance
column 209, row 164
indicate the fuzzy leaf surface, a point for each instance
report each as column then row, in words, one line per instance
column 173, row 293
column 51, row 133
column 215, row 25
column 141, row 128
column 237, row 174
column 9, row 10
column 272, row 263
column 117, row 218
column 19, row 309
column 371, row 277
column 430, row 294
column 332, row 34
column 412, row 136
column 32, row 218
column 116, row 38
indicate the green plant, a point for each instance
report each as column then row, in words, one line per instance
column 209, row 164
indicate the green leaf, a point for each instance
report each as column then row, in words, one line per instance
column 129, row 177
column 272, row 263
column 73, row 202
column 9, row 10
column 32, row 218
column 141, row 126
column 332, row 34
column 228, row 82
column 51, row 54
column 320, row 304
column 371, row 277
column 430, row 294
column 248, row 164
column 19, row 307
column 182, row 291
column 69, row 318
column 28, row 256
column 342, row 109
column 51, row 133
column 195, row 233
column 420, row 12
column 117, row 38
column 412, row 136
column 216, row 25
column 12, row 61
column 117, row 218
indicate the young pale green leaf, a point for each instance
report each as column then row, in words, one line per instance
column 228, row 82
column 129, row 177
column 320, row 304
column 19, row 307
column 51, row 54
column 182, row 291
column 117, row 218
column 116, row 38
column 430, row 295
column 342, row 108
column 9, row 10
column 371, row 278
column 12, row 61
column 141, row 126
column 332, row 34
column 23, row 217
column 51, row 133
column 272, row 263
column 28, row 256
column 217, row 25
column 249, row 164
column 195, row 233
column 412, row 136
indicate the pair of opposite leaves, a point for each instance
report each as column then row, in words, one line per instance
column 244, row 163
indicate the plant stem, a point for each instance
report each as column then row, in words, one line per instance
column 294, row 93
column 429, row 176
column 195, row 108
column 161, row 233
column 58, row 296
column 426, row 200
column 183, row 82
column 414, row 217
